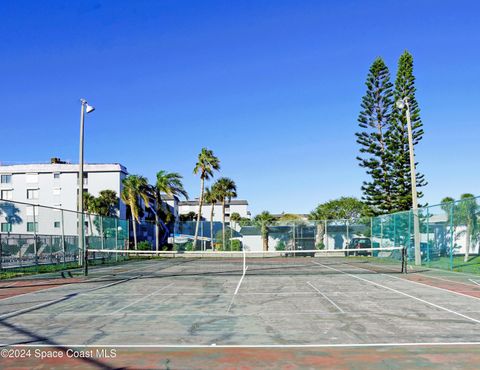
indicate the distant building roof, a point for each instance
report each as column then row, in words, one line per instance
column 61, row 167
column 235, row 202
column 250, row 230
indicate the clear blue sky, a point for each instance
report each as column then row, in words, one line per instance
column 273, row 87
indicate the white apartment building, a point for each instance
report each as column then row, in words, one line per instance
column 54, row 185
column 234, row 206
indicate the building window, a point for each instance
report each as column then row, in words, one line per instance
column 56, row 175
column 7, row 194
column 56, row 224
column 6, row 227
column 32, row 193
column 56, row 191
column 32, row 227
column 85, row 178
column 6, row 179
column 32, row 178
column 30, row 211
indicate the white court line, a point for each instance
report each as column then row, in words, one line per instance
column 236, row 290
column 202, row 314
column 141, row 299
column 401, row 293
column 324, row 296
column 23, row 310
column 423, row 284
column 425, row 275
column 339, row 345
column 71, row 284
column 475, row 282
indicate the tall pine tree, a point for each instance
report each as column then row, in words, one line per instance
column 374, row 120
column 398, row 139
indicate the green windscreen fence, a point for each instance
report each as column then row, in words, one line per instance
column 449, row 234
column 40, row 238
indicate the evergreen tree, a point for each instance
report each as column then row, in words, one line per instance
column 398, row 140
column 374, row 120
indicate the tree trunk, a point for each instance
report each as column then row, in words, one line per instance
column 264, row 231
column 320, row 234
column 223, row 225
column 134, row 227
column 265, row 241
column 200, row 203
column 211, row 226
column 467, row 243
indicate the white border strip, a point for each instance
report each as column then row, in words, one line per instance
column 340, row 345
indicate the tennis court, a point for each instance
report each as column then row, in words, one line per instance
column 287, row 301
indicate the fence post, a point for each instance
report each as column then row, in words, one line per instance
column 116, row 238
column 63, row 240
column 35, row 237
column 371, row 231
column 452, row 244
column 101, row 232
column 348, row 233
column 409, row 241
column 428, row 235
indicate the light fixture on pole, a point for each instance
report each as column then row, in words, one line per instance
column 85, row 108
column 401, row 104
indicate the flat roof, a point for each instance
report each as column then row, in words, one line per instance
column 234, row 202
column 61, row 167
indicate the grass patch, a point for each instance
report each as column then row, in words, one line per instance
column 32, row 270
column 471, row 266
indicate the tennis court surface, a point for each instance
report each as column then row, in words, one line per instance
column 236, row 312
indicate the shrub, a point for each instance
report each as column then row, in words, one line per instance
column 236, row 245
column 144, row 246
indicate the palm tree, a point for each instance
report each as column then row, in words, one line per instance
column 135, row 188
column 468, row 209
column 107, row 203
column 90, row 207
column 206, row 164
column 263, row 220
column 463, row 212
column 226, row 190
column 169, row 183
column 211, row 197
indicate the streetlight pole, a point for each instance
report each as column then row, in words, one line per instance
column 416, row 223
column 85, row 108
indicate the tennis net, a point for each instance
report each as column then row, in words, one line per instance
column 286, row 262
